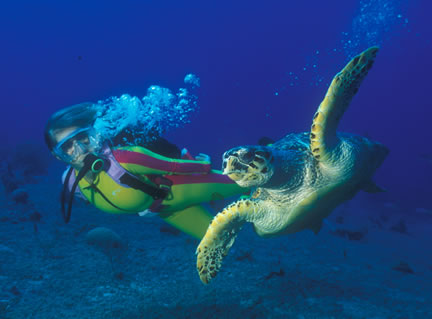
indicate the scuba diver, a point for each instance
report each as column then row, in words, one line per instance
column 133, row 179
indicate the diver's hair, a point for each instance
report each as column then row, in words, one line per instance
column 79, row 115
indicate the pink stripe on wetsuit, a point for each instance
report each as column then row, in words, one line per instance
column 197, row 172
column 137, row 158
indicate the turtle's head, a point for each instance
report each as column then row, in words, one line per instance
column 249, row 166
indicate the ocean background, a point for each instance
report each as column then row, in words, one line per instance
column 263, row 68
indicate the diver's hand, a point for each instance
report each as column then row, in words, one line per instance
column 203, row 157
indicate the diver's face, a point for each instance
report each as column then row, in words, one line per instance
column 73, row 145
column 61, row 136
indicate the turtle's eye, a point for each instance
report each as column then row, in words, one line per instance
column 248, row 156
column 239, row 166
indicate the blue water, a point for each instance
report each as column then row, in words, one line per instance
column 259, row 69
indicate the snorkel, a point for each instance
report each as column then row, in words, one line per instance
column 92, row 163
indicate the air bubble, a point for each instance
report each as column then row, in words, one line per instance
column 144, row 119
column 376, row 22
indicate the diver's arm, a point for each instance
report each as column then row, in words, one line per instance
column 139, row 160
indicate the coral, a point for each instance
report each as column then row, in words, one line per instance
column 20, row 196
column 400, row 227
column 351, row 235
column 106, row 240
column 404, row 268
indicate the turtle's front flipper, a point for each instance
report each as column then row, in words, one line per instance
column 340, row 93
column 220, row 236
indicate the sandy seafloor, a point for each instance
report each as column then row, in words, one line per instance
column 372, row 259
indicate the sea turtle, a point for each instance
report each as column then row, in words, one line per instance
column 300, row 179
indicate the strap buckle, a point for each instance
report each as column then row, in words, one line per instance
column 163, row 183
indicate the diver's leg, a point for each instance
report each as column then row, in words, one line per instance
column 193, row 220
column 190, row 190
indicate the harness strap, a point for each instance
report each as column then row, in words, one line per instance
column 89, row 160
column 134, row 182
column 64, row 192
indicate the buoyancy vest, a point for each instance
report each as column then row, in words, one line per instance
column 113, row 189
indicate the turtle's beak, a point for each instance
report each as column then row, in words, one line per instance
column 235, row 176
column 233, row 168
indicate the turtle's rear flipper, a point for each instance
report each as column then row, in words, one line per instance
column 219, row 238
column 338, row 97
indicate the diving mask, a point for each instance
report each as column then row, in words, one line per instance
column 77, row 144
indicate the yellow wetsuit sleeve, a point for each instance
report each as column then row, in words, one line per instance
column 141, row 161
